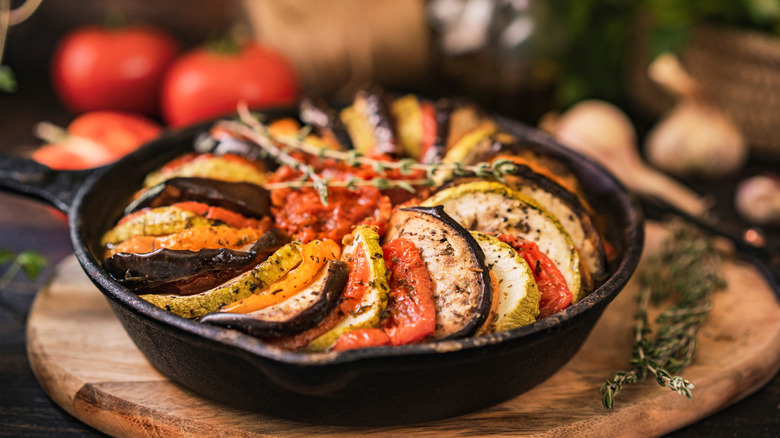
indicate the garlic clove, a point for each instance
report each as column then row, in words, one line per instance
column 757, row 199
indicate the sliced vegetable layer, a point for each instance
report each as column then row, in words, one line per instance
column 494, row 208
column 314, row 256
column 460, row 278
column 411, row 311
column 241, row 197
column 184, row 272
column 366, row 292
column 517, row 296
column 555, row 295
column 192, row 306
column 293, row 315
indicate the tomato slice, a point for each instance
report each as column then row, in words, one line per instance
column 362, row 338
column 411, row 309
column 552, row 285
column 412, row 315
column 223, row 215
column 428, row 125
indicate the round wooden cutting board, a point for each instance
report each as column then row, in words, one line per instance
column 89, row 366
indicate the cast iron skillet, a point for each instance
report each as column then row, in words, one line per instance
column 376, row 386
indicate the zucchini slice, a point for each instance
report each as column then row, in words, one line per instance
column 295, row 314
column 517, row 295
column 271, row 270
column 574, row 217
column 462, row 288
column 492, row 207
column 222, row 167
column 408, row 116
column 366, row 244
column 471, row 143
column 154, row 222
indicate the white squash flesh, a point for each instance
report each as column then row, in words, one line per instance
column 492, row 207
column 518, row 295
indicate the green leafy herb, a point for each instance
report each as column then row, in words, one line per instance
column 7, row 79
column 29, row 262
column 251, row 128
column 684, row 272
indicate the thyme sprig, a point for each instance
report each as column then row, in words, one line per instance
column 686, row 271
column 252, row 129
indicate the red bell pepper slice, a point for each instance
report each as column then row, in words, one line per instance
column 552, row 285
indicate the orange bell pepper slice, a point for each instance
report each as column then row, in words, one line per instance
column 314, row 254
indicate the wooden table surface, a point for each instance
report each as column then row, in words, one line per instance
column 28, row 225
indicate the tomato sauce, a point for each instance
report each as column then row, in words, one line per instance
column 301, row 213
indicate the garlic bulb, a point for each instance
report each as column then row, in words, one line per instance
column 603, row 132
column 696, row 138
column 592, row 127
column 757, row 199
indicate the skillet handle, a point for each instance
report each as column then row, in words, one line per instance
column 29, row 178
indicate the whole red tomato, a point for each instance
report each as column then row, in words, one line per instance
column 204, row 83
column 112, row 69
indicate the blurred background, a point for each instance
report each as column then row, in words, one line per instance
column 520, row 57
column 531, row 60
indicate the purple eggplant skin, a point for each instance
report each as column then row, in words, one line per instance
column 294, row 315
column 325, row 120
column 184, row 272
column 241, row 197
column 206, row 143
column 463, row 290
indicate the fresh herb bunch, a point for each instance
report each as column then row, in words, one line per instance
column 596, row 37
column 30, row 262
column 685, row 271
column 251, row 128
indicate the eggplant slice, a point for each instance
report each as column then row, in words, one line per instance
column 192, row 306
column 244, row 198
column 295, row 314
column 179, row 271
column 462, row 288
column 369, row 125
column 325, row 121
column 494, row 208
